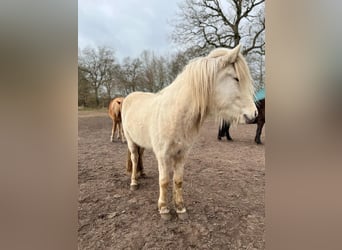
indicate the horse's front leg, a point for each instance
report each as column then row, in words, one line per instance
column 178, row 189
column 164, row 179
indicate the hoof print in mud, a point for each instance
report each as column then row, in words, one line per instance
column 166, row 217
column 183, row 216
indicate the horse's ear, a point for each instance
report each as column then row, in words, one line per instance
column 234, row 53
column 232, row 56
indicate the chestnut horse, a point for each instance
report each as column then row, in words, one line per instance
column 114, row 111
column 169, row 121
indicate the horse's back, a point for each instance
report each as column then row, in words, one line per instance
column 137, row 102
column 137, row 97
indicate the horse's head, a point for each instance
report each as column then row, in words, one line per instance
column 233, row 90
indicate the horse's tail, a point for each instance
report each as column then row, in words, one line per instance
column 129, row 164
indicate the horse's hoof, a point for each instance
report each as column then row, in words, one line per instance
column 133, row 187
column 183, row 216
column 166, row 216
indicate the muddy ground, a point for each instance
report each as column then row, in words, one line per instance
column 224, row 187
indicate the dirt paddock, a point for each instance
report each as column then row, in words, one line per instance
column 224, row 186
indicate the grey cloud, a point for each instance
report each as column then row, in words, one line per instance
column 128, row 26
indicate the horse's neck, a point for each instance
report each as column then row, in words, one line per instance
column 180, row 99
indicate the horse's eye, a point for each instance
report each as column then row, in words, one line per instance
column 236, row 79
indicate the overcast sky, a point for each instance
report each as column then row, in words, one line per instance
column 128, row 26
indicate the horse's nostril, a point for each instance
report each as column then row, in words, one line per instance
column 247, row 119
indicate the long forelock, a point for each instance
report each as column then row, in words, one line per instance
column 199, row 76
column 241, row 68
column 244, row 75
column 245, row 80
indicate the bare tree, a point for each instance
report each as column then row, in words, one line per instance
column 178, row 60
column 162, row 73
column 97, row 65
column 154, row 71
column 83, row 89
column 130, row 75
column 256, row 64
column 113, row 80
column 209, row 24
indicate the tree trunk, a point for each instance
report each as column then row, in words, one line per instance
column 97, row 97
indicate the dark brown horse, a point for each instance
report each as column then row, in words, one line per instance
column 259, row 120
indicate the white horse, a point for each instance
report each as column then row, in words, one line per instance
column 168, row 121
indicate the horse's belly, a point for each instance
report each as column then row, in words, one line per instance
column 140, row 135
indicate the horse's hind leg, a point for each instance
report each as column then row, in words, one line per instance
column 129, row 162
column 121, row 132
column 117, row 128
column 113, row 130
column 258, row 132
column 140, row 167
column 134, row 154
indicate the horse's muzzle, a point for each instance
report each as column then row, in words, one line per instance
column 250, row 120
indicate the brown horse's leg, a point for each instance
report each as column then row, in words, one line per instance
column 114, row 128
column 112, row 136
column 129, row 162
column 164, row 179
column 258, row 132
column 140, row 167
column 219, row 135
column 121, row 132
column 227, row 126
column 117, row 128
column 224, row 130
column 178, row 189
